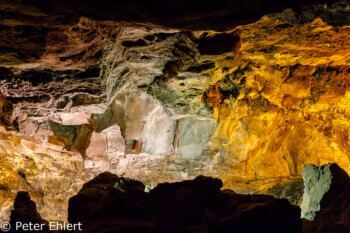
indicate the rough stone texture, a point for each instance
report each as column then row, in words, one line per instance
column 137, row 105
column 193, row 14
column 292, row 190
column 77, row 135
column 270, row 101
column 108, row 142
column 103, row 205
column 253, row 105
column 6, row 109
column 282, row 103
column 46, row 40
column 220, row 43
column 317, row 183
column 161, row 68
column 326, row 199
column 50, row 174
column 47, row 92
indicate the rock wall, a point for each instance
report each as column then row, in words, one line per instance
column 250, row 105
column 277, row 91
column 283, row 103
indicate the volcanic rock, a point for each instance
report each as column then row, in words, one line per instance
column 251, row 105
column 6, row 109
column 326, row 199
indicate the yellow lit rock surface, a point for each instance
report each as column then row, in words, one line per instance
column 285, row 105
column 48, row 173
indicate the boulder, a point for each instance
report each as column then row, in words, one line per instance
column 130, row 110
column 115, row 141
column 292, row 190
column 326, row 199
column 82, row 129
column 97, row 146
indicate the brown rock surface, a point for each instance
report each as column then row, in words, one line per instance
column 6, row 109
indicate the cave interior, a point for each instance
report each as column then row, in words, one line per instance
column 150, row 116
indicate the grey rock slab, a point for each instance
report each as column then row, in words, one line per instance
column 159, row 132
column 192, row 134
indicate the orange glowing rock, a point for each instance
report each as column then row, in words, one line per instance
column 286, row 103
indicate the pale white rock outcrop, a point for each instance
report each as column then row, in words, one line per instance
column 159, row 132
column 317, row 182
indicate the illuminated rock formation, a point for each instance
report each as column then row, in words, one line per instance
column 272, row 101
column 283, row 104
column 251, row 105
